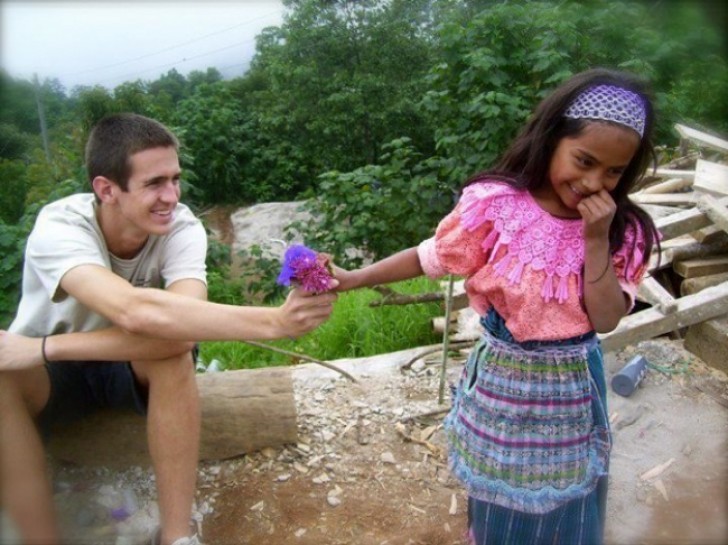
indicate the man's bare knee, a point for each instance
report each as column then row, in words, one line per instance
column 25, row 390
column 174, row 371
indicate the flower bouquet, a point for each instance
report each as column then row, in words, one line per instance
column 306, row 268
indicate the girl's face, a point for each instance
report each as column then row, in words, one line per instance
column 586, row 164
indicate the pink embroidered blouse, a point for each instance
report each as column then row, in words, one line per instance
column 522, row 260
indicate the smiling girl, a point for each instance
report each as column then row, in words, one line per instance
column 552, row 251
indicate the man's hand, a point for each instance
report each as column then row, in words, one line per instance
column 19, row 352
column 304, row 311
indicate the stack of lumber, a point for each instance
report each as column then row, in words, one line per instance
column 687, row 288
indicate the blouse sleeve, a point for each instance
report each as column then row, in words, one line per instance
column 458, row 245
column 629, row 262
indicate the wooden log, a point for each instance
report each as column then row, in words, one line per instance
column 242, row 411
column 649, row 323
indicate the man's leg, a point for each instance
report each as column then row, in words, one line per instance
column 25, row 489
column 173, row 432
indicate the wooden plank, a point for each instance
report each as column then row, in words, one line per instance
column 702, row 138
column 668, row 199
column 687, row 221
column 673, row 185
column 690, row 268
column 673, row 173
column 711, row 177
column 715, row 210
column 651, row 291
column 709, row 234
column 649, row 323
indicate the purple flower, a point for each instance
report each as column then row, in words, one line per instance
column 304, row 267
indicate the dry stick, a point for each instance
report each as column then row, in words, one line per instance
column 300, row 356
column 445, row 339
column 433, row 350
column 436, row 412
column 391, row 297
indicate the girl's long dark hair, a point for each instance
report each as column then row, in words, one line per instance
column 525, row 164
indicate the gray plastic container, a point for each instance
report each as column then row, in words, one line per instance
column 629, row 377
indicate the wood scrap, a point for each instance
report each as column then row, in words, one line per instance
column 657, row 470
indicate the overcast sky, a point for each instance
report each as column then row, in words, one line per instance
column 108, row 42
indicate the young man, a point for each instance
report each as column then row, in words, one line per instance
column 113, row 299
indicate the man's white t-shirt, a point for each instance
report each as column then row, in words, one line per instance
column 66, row 234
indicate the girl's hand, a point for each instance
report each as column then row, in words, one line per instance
column 346, row 279
column 19, row 352
column 597, row 211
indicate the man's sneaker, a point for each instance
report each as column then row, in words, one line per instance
column 194, row 540
column 188, row 541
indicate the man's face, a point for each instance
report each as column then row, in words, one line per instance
column 153, row 190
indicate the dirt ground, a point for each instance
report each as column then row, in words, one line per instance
column 369, row 467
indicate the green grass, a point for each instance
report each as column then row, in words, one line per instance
column 354, row 330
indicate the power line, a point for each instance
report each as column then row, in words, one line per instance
column 173, row 64
column 194, row 40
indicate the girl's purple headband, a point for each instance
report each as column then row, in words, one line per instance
column 610, row 103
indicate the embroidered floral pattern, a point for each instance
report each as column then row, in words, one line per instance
column 529, row 235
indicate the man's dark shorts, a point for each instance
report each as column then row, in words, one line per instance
column 81, row 388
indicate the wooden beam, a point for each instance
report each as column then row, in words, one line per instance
column 651, row 291
column 702, row 138
column 671, row 173
column 710, row 234
column 715, row 210
column 711, row 177
column 687, row 221
column 649, row 323
column 672, row 185
column 669, row 199
column 690, row 268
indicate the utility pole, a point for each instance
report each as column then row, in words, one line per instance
column 41, row 116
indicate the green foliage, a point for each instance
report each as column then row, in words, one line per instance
column 12, row 198
column 12, row 249
column 495, row 64
column 354, row 330
column 379, row 208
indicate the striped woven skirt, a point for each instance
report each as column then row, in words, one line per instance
column 528, row 437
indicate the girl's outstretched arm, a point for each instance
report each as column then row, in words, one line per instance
column 400, row 266
column 604, row 299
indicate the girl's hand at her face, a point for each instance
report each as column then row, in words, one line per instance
column 597, row 211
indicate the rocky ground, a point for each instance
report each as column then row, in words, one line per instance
column 369, row 467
